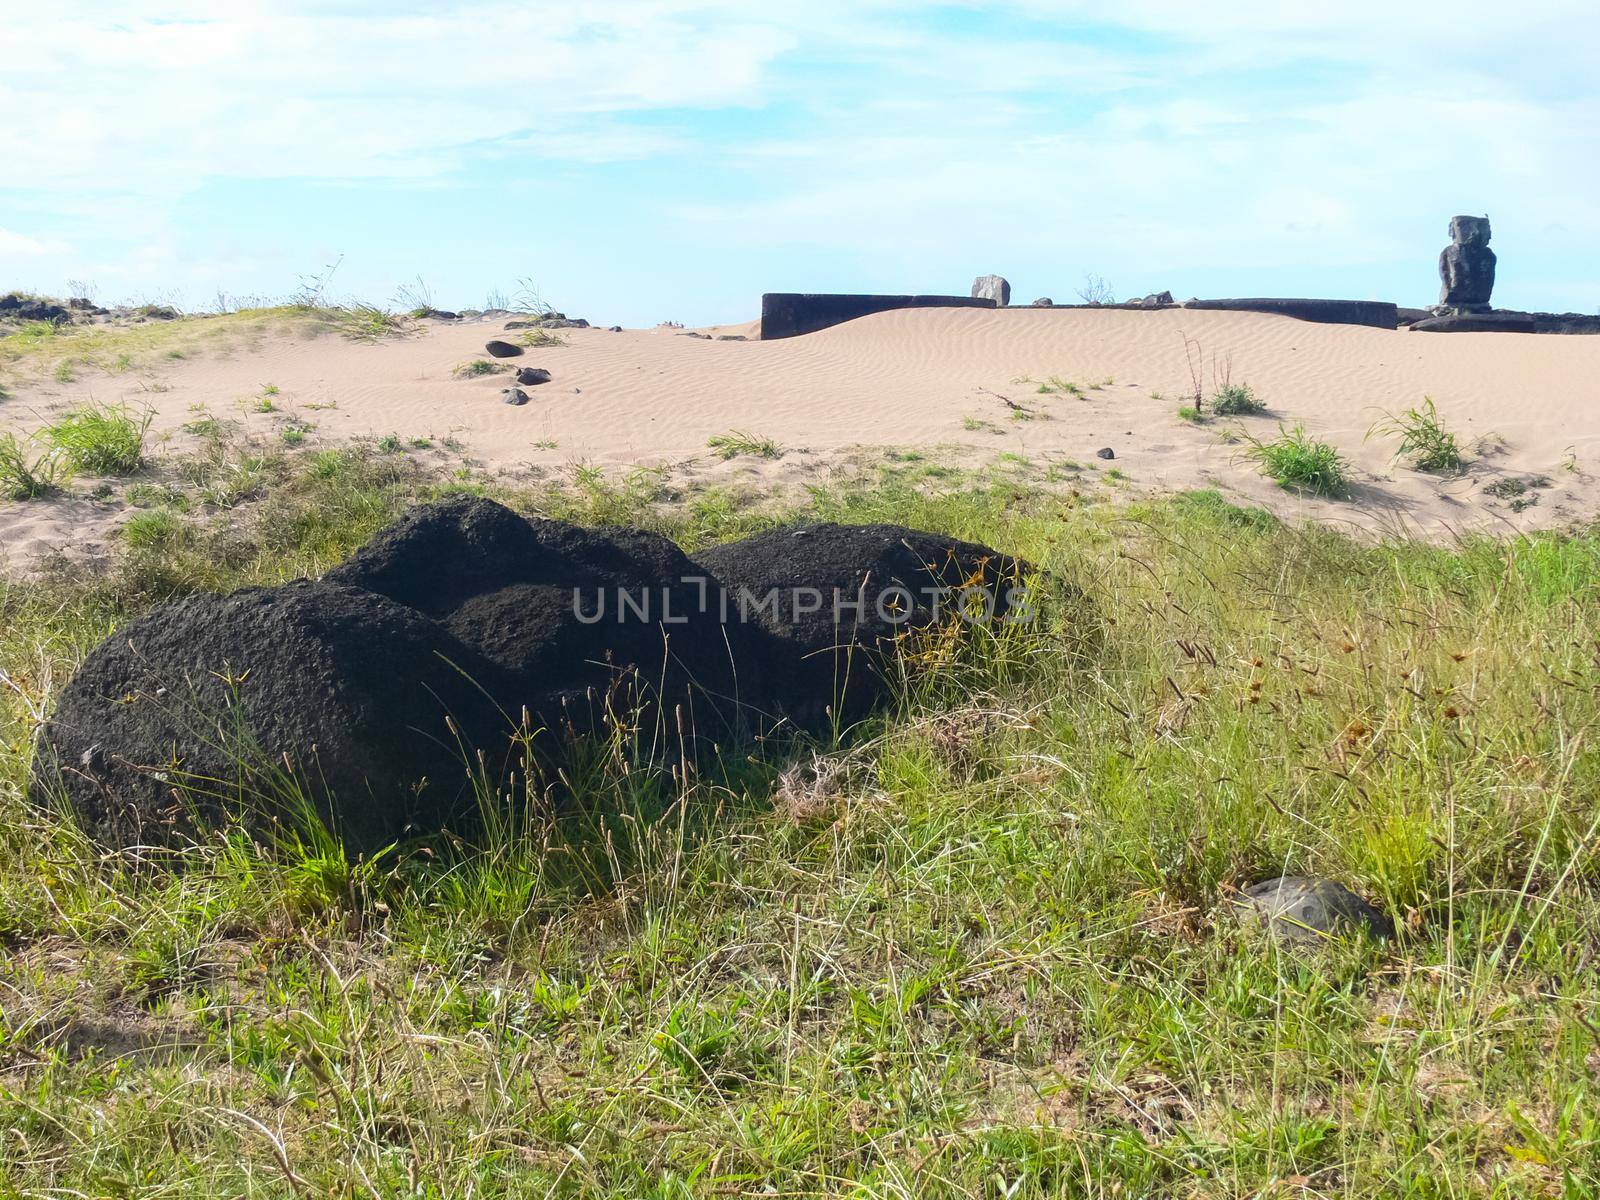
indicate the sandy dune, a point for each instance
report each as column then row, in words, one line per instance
column 1523, row 405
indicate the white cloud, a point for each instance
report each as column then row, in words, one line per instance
column 1256, row 133
column 19, row 245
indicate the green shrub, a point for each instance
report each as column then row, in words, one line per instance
column 1237, row 400
column 1295, row 459
column 24, row 476
column 152, row 529
column 101, row 439
column 1423, row 438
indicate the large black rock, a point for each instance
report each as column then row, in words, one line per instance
column 837, row 601
column 202, row 711
column 394, row 693
column 569, row 614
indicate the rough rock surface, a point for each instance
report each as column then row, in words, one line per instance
column 216, row 693
column 532, row 376
column 992, row 287
column 514, row 396
column 835, row 599
column 201, row 711
column 514, row 588
column 500, row 349
column 1466, row 265
column 1305, row 908
column 1477, row 322
column 1044, row 302
column 17, row 307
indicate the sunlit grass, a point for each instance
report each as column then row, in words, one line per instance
column 982, row 947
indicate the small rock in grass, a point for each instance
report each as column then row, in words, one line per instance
column 532, row 375
column 1305, row 908
column 1105, row 452
column 502, row 349
column 514, row 395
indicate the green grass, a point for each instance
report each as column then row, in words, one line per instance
column 736, row 443
column 1236, row 400
column 1295, row 459
column 101, row 439
column 27, row 474
column 1192, row 414
column 479, row 366
column 65, row 351
column 1424, row 440
column 982, row 948
column 541, row 339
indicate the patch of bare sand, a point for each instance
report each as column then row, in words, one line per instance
column 969, row 379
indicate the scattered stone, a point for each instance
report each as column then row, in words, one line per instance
column 704, row 337
column 732, row 337
column 1156, row 300
column 17, row 307
column 992, row 287
column 549, row 321
column 514, row 396
column 1105, row 452
column 1044, row 302
column 1466, row 266
column 439, row 314
column 1305, row 908
column 159, row 312
column 529, row 376
column 501, row 349
column 614, row 329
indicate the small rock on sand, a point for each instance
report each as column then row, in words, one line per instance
column 502, row 349
column 1105, row 452
column 528, row 376
column 514, row 395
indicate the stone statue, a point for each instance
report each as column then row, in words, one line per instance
column 1467, row 266
column 992, row 287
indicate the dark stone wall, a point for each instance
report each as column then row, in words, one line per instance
column 789, row 314
column 1379, row 314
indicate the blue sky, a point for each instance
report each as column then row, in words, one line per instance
column 648, row 160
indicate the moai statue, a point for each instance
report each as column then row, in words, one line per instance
column 992, row 287
column 1467, row 266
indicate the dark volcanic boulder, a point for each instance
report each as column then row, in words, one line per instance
column 836, row 600
column 532, row 376
column 17, row 307
column 502, row 349
column 564, row 610
column 205, row 707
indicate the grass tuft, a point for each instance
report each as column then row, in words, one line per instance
column 736, row 442
column 101, row 439
column 25, row 475
column 1236, row 400
column 1423, row 438
column 1295, row 459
